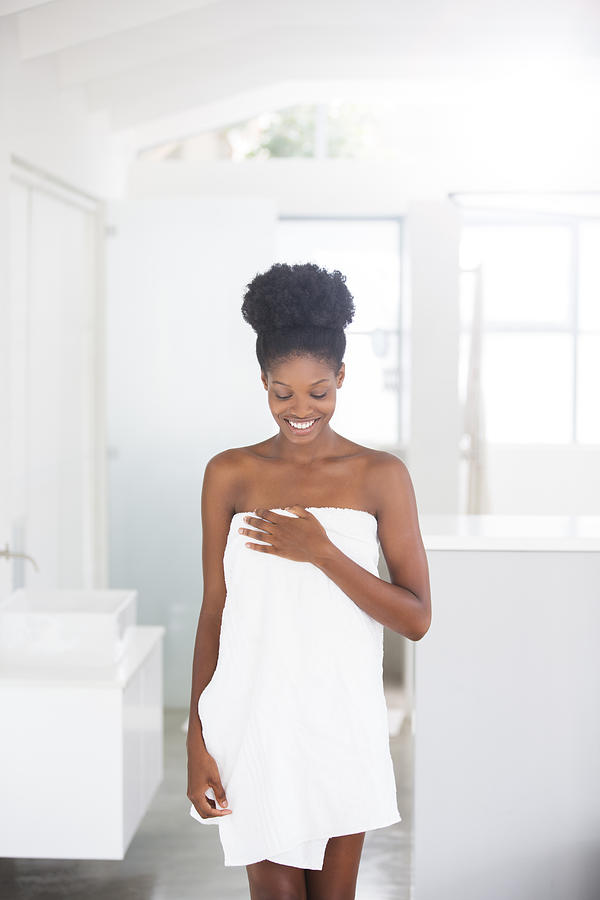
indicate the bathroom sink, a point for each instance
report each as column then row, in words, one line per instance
column 66, row 627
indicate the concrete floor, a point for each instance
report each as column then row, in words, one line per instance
column 173, row 857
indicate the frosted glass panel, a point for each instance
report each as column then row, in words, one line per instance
column 527, row 387
column 53, row 386
column 18, row 286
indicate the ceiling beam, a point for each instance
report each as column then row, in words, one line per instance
column 50, row 27
column 188, row 32
column 10, row 7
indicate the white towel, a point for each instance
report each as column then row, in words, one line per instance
column 295, row 714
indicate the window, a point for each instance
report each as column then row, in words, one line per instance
column 371, row 405
column 538, row 279
column 335, row 129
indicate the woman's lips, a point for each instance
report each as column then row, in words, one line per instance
column 301, row 430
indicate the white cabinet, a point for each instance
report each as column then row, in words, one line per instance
column 81, row 753
column 507, row 700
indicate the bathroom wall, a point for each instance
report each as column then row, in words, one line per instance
column 180, row 389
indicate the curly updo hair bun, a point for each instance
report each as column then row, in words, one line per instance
column 296, row 310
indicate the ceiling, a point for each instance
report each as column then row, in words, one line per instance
column 168, row 68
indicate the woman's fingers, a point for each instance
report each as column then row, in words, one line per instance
column 271, row 516
column 207, row 774
column 259, row 522
column 219, row 793
column 299, row 510
column 206, row 810
column 259, row 535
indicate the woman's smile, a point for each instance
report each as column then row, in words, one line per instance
column 301, row 426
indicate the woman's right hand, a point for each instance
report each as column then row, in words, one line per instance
column 203, row 773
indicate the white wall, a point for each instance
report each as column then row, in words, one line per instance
column 184, row 384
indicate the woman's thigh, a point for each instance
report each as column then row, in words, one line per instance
column 337, row 879
column 273, row 881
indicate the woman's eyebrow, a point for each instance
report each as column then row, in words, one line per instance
column 312, row 385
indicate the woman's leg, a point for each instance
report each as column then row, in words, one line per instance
column 273, row 881
column 337, row 879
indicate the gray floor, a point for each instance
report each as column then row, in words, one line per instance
column 173, row 857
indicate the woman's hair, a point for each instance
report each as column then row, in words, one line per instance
column 296, row 310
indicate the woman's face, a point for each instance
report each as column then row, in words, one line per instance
column 302, row 395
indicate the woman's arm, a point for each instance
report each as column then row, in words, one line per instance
column 217, row 509
column 404, row 605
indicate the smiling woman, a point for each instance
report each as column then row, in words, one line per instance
column 288, row 713
column 299, row 312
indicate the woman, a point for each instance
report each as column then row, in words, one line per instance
column 288, row 743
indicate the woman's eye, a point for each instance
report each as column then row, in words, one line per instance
column 316, row 396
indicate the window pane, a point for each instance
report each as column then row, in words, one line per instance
column 526, row 271
column 589, row 276
column 527, row 387
column 588, row 380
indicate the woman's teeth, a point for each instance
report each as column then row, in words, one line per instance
column 301, row 426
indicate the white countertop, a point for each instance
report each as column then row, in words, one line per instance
column 143, row 638
column 510, row 532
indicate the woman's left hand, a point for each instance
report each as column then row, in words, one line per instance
column 300, row 537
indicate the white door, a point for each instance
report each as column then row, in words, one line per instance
column 53, row 507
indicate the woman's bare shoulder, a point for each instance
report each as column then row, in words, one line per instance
column 383, row 462
column 235, row 456
column 389, row 481
column 227, row 472
column 383, row 465
column 375, row 463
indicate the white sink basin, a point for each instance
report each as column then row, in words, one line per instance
column 66, row 627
